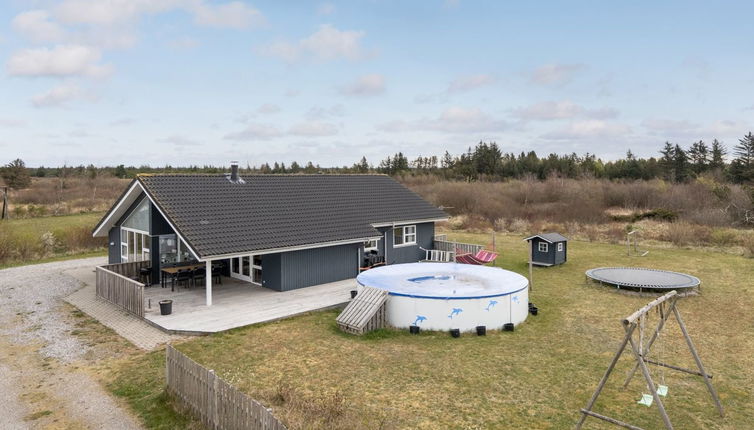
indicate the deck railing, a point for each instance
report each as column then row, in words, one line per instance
column 120, row 290
column 444, row 245
column 216, row 403
column 129, row 269
column 439, row 255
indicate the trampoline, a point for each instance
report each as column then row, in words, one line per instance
column 641, row 279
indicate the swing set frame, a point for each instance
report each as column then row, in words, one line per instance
column 630, row 325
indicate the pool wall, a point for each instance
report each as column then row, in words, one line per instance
column 464, row 314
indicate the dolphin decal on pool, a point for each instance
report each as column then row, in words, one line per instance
column 515, row 299
column 419, row 319
column 491, row 304
column 455, row 311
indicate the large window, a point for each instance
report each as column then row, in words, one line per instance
column 404, row 235
column 371, row 245
column 134, row 245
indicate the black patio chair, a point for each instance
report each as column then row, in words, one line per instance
column 217, row 272
column 183, row 276
column 198, row 275
column 145, row 276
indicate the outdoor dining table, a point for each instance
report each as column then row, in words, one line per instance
column 172, row 271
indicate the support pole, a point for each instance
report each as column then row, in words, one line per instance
column 652, row 340
column 208, row 282
column 699, row 364
column 650, row 384
column 601, row 385
column 531, row 257
column 494, row 246
column 4, row 214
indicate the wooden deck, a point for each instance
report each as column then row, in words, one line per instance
column 237, row 304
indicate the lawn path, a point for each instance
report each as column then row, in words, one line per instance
column 43, row 385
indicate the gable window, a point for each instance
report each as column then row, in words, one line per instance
column 542, row 247
column 371, row 245
column 560, row 246
column 404, row 235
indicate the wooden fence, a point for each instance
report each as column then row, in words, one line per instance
column 130, row 269
column 444, row 245
column 120, row 290
column 366, row 312
column 216, row 403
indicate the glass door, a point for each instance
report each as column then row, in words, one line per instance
column 247, row 268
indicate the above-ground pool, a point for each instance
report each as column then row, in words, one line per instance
column 445, row 296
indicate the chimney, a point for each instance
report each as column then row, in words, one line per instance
column 234, row 171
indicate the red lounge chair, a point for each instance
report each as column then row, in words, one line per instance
column 481, row 257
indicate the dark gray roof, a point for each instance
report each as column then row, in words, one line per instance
column 549, row 237
column 218, row 217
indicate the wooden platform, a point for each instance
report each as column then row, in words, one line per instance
column 238, row 304
column 365, row 313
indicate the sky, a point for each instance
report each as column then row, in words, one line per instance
column 185, row 82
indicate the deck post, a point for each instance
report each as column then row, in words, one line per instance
column 208, row 282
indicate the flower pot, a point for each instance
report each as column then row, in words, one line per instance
column 508, row 326
column 481, row 330
column 534, row 310
column 166, row 307
column 353, row 294
column 414, row 329
column 455, row 332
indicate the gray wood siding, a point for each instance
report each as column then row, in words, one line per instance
column 113, row 245
column 425, row 234
column 299, row 269
column 543, row 257
column 560, row 257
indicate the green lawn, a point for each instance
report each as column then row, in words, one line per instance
column 21, row 239
column 536, row 377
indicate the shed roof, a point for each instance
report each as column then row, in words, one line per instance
column 549, row 237
column 218, row 217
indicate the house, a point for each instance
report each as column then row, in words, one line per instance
column 548, row 249
column 282, row 232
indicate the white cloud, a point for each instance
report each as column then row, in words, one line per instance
column 255, row 131
column 552, row 110
column 327, row 43
column 452, row 120
column 62, row 60
column 588, row 129
column 468, row 83
column 181, row 141
column 318, row 112
column 110, row 12
column 325, row 9
column 314, row 129
column 367, row 85
column 555, row 74
column 235, row 14
column 268, row 108
column 185, row 42
column 57, row 96
column 669, row 125
column 11, row 122
column 36, row 26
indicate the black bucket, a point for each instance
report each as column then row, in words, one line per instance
column 481, row 330
column 534, row 310
column 414, row 329
column 455, row 332
column 353, row 294
column 532, row 305
column 166, row 307
column 508, row 326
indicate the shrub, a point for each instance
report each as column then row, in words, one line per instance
column 722, row 237
column 748, row 244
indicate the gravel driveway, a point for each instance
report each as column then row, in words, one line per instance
column 38, row 371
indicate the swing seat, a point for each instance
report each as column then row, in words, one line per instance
column 646, row 400
column 662, row 390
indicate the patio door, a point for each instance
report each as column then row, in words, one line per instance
column 247, row 268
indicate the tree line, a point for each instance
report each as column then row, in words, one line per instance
column 486, row 160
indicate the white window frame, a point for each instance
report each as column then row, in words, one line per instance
column 143, row 236
column 237, row 272
column 408, row 237
column 560, row 246
column 543, row 247
column 372, row 245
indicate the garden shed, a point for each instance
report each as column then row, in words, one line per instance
column 548, row 249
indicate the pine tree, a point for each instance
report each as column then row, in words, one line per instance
column 680, row 164
column 15, row 175
column 667, row 162
column 699, row 157
column 717, row 155
column 742, row 168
